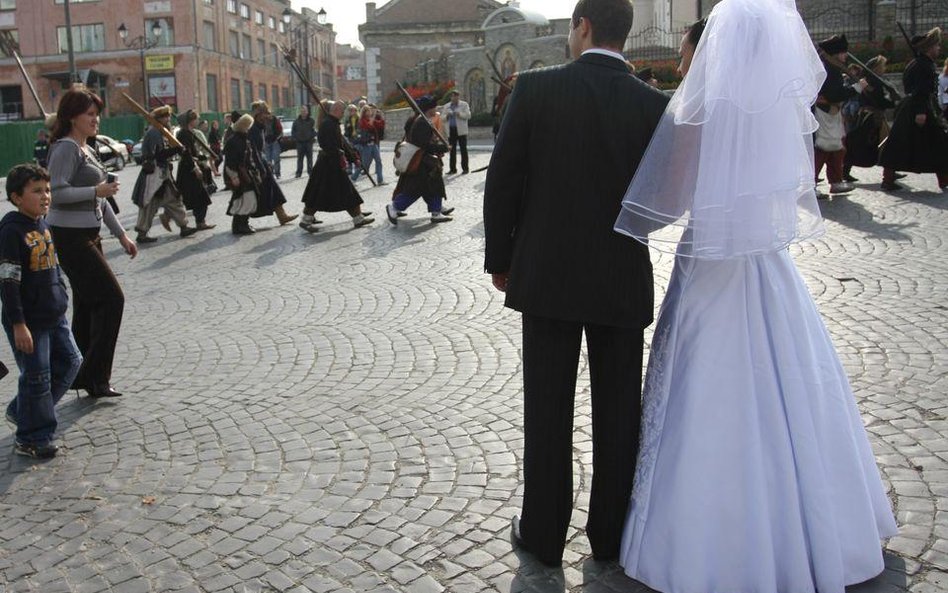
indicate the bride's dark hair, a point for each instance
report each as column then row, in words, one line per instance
column 695, row 31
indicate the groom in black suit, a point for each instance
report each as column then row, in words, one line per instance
column 570, row 142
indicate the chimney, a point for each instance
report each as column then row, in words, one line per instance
column 369, row 12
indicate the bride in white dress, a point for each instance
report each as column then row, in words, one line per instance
column 754, row 473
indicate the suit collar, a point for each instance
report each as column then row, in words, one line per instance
column 598, row 59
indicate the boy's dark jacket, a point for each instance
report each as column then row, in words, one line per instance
column 31, row 284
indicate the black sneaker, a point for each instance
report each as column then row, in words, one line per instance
column 35, row 451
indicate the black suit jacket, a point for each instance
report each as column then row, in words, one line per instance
column 570, row 142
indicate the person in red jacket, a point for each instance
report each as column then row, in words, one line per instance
column 371, row 131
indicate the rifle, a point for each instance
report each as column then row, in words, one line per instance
column 197, row 138
column 907, row 40
column 876, row 78
column 350, row 151
column 165, row 132
column 866, row 70
column 9, row 47
column 414, row 106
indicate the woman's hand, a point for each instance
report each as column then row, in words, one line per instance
column 105, row 189
column 23, row 338
column 129, row 246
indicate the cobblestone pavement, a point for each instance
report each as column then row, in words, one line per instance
column 341, row 411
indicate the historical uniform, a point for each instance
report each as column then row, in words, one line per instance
column 426, row 179
column 911, row 146
column 870, row 127
column 155, row 188
column 243, row 177
column 330, row 188
column 193, row 172
column 830, row 149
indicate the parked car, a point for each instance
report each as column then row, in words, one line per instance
column 286, row 141
column 112, row 153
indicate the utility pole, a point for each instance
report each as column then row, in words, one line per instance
column 73, row 75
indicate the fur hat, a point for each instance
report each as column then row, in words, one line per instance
column 928, row 40
column 163, row 111
column 259, row 107
column 243, row 124
column 836, row 44
column 426, row 102
column 187, row 117
column 877, row 62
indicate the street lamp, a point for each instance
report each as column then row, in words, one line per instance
column 303, row 48
column 141, row 43
column 321, row 16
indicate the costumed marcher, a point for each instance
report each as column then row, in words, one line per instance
column 214, row 139
column 371, row 131
column 191, row 171
column 329, row 188
column 271, row 197
column 242, row 177
column 500, row 101
column 155, row 187
column 202, row 133
column 829, row 139
column 870, row 127
column 456, row 114
column 425, row 178
column 918, row 141
column 303, row 133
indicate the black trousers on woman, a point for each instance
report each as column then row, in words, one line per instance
column 97, row 302
column 551, row 349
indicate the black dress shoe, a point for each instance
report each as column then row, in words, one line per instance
column 517, row 539
column 97, row 391
column 849, row 178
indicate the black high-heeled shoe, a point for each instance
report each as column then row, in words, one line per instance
column 97, row 391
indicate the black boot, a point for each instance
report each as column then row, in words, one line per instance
column 242, row 226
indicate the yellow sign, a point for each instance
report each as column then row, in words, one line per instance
column 155, row 63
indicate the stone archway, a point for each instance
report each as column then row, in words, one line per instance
column 476, row 90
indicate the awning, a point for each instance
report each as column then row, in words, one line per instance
column 86, row 76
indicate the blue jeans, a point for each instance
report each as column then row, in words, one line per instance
column 272, row 154
column 370, row 153
column 403, row 201
column 355, row 171
column 45, row 376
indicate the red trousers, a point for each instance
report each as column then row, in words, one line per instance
column 833, row 162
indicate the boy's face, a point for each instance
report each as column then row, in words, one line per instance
column 34, row 201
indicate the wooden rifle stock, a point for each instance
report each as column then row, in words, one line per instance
column 350, row 151
column 154, row 122
column 876, row 78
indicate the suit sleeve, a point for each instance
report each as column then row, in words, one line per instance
column 506, row 182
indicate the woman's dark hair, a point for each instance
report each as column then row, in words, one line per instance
column 695, row 30
column 76, row 101
column 20, row 175
column 611, row 20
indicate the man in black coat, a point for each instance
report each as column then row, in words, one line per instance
column 570, row 142
column 918, row 141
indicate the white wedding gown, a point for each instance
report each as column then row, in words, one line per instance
column 755, row 474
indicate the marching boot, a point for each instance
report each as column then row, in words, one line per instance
column 241, row 226
column 282, row 216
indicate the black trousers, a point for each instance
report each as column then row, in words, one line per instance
column 97, row 302
column 551, row 349
column 454, row 140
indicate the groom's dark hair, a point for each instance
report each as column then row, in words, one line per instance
column 611, row 20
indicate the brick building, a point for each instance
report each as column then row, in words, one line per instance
column 210, row 55
column 350, row 73
column 403, row 33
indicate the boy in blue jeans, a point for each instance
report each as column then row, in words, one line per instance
column 34, row 313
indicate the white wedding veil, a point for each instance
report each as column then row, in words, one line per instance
column 730, row 165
